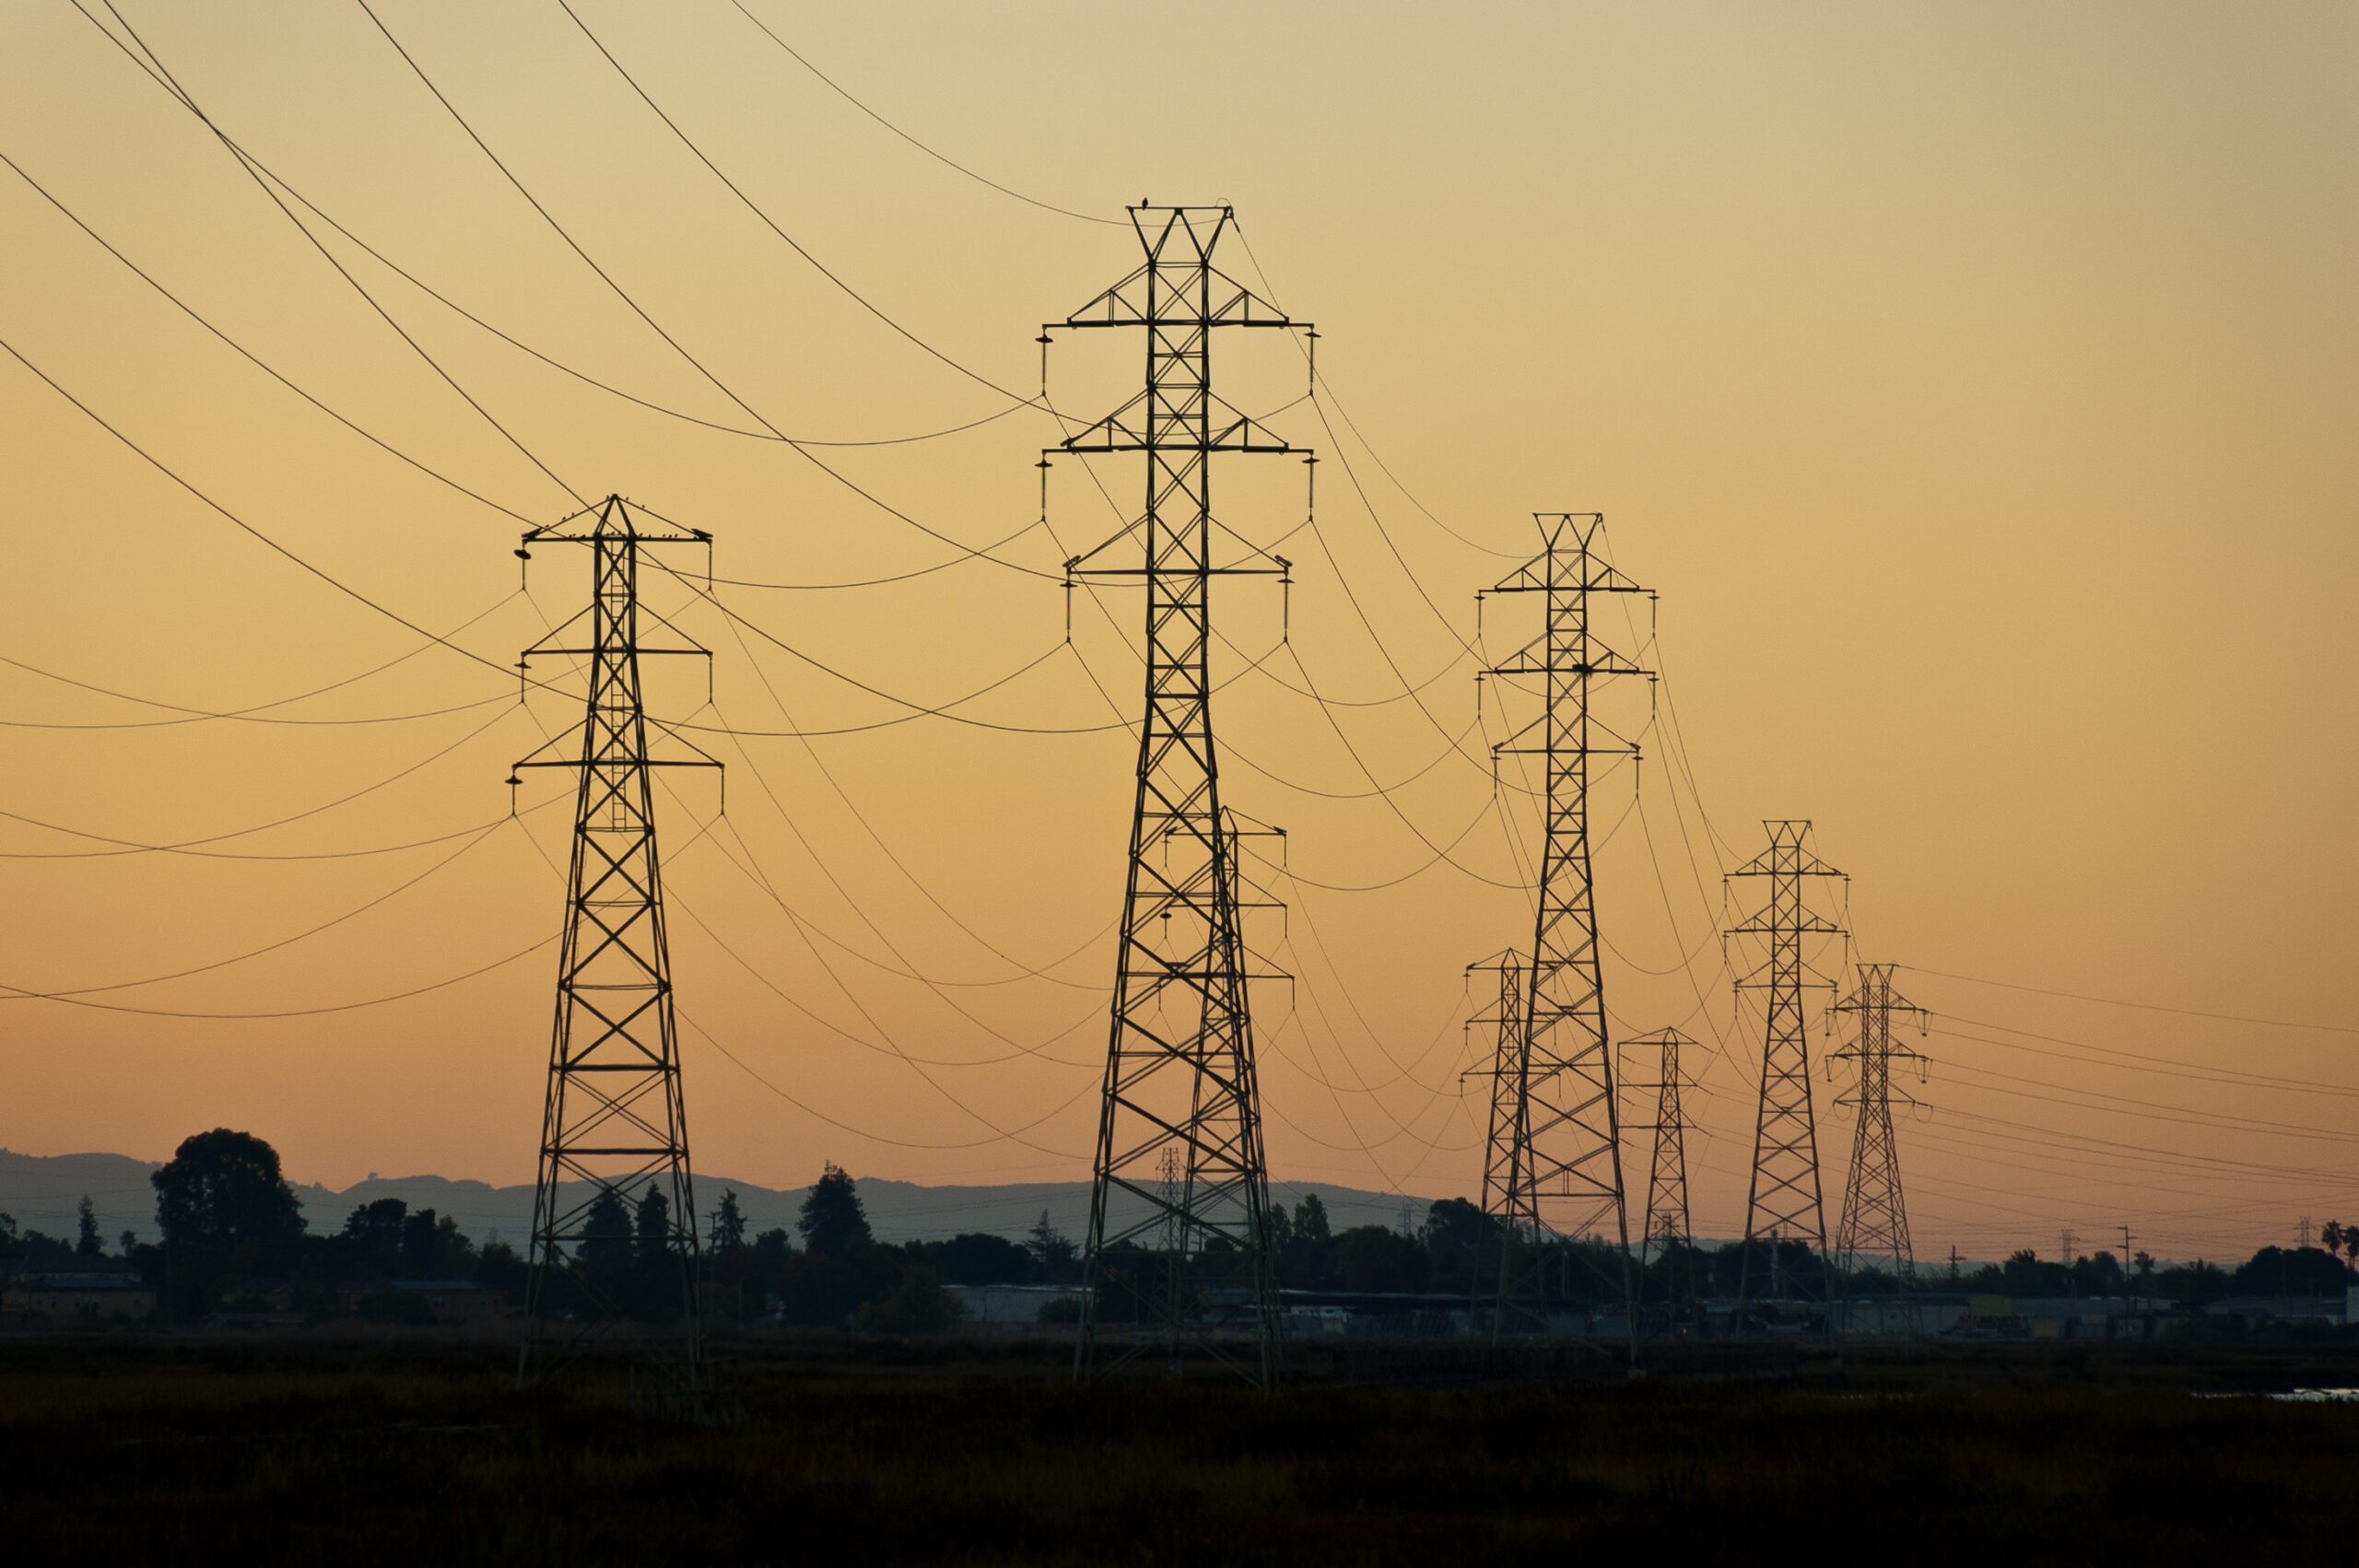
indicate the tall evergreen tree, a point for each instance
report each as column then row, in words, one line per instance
column 833, row 1222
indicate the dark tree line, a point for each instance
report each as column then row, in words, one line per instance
column 229, row 1216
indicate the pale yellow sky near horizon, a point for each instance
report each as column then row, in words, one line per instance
column 1975, row 384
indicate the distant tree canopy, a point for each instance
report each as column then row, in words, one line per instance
column 833, row 1222
column 2299, row 1271
column 221, row 1189
column 391, row 1241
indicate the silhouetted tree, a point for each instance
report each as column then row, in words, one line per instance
column 654, row 1225
column 976, row 1258
column 605, row 1246
column 434, row 1248
column 1050, row 1249
column 499, row 1268
column 2305, row 1270
column 88, row 1244
column 375, row 1233
column 1310, row 1221
column 1454, row 1231
column 1377, row 1258
column 221, row 1189
column 833, row 1222
column 728, row 1225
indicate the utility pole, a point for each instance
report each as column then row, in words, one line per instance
column 1563, row 1154
column 1784, row 1195
column 1179, row 1063
column 1876, row 1215
column 1667, row 1222
column 613, row 1127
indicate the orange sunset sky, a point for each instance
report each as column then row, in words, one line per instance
column 1975, row 383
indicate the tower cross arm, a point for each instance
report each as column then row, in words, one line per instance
column 1227, row 303
column 1595, row 578
column 1536, row 658
column 1765, row 864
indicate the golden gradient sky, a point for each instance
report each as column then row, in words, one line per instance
column 1975, row 382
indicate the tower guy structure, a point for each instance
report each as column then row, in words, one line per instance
column 1783, row 1201
column 1667, row 1227
column 1553, row 1166
column 1874, row 1225
column 613, row 1215
column 1180, row 1067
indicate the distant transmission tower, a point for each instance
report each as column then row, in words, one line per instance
column 1179, row 1065
column 1667, row 1220
column 615, row 1126
column 1510, row 1125
column 1784, row 1197
column 1559, row 1149
column 1876, row 1215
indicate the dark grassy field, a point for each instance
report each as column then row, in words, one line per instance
column 122, row 1450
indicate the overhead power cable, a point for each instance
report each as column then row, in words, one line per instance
column 751, row 205
column 2144, row 1006
column 251, row 711
column 65, row 993
column 939, row 158
column 156, row 70
column 190, row 311
column 700, row 367
column 290, row 1012
column 394, row 616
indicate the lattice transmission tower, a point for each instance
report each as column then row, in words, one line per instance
column 613, row 1214
column 1875, row 1213
column 1553, row 1166
column 1784, row 1198
column 1510, row 1125
column 1667, row 1229
column 1179, row 1069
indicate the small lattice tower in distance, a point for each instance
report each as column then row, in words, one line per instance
column 613, row 1179
column 1510, row 1058
column 1559, row 1153
column 1783, row 1197
column 1667, row 1230
column 1874, row 1223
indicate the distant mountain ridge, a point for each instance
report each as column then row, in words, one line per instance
column 42, row 1190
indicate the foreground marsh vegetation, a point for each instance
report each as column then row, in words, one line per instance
column 125, row 1451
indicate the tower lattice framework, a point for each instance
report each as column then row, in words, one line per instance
column 1553, row 1166
column 1179, row 1071
column 1874, row 1223
column 1509, row 1127
column 1667, row 1215
column 1784, row 1198
column 615, row 1121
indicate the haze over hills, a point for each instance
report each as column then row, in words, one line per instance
column 42, row 1192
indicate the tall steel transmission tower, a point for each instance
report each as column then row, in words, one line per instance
column 1179, row 1064
column 1667, row 1227
column 615, row 1196
column 1558, row 1149
column 1875, row 1214
column 1783, row 1200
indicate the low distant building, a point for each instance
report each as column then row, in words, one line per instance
column 1901, row 1315
column 2252, row 1311
column 1010, row 1304
column 61, row 1299
column 454, row 1301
